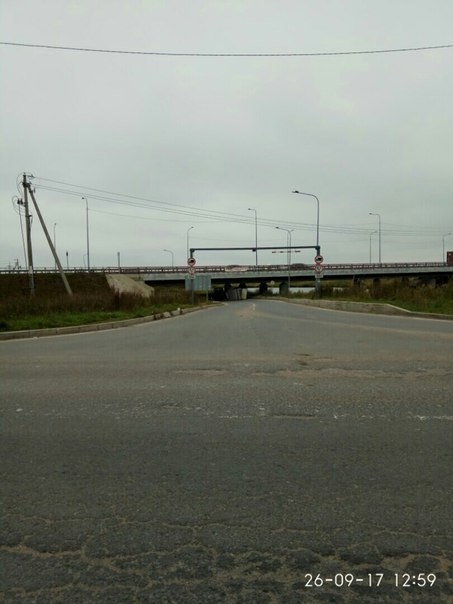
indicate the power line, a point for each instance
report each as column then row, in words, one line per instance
column 231, row 54
column 147, row 204
column 153, row 218
column 163, row 206
column 214, row 215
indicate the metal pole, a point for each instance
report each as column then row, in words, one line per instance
column 318, row 249
column 187, row 237
column 172, row 257
column 443, row 246
column 317, row 213
column 49, row 241
column 288, row 252
column 289, row 262
column 31, row 278
column 371, row 234
column 256, row 233
column 380, row 240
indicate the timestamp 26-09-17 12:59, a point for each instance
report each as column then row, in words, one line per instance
column 405, row 580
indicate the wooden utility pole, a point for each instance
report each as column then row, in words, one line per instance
column 31, row 277
column 46, row 233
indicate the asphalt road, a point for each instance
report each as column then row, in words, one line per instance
column 254, row 452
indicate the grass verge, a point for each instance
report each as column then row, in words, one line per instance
column 93, row 302
column 438, row 300
column 68, row 319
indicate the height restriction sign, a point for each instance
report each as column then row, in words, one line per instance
column 319, row 259
column 191, row 261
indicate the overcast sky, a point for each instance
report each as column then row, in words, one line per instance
column 182, row 141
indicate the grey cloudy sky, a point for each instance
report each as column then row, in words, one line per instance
column 199, row 140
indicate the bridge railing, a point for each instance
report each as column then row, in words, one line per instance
column 138, row 270
column 385, row 265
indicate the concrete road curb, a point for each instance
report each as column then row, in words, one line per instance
column 366, row 307
column 58, row 331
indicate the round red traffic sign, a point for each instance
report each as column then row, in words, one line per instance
column 319, row 259
column 191, row 261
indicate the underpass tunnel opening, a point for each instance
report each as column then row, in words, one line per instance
column 283, row 288
column 233, row 294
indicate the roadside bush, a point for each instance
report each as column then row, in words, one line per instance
column 413, row 296
column 92, row 301
column 19, row 306
column 178, row 295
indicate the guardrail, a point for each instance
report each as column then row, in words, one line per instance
column 382, row 265
column 232, row 268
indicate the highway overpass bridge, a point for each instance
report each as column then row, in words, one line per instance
column 276, row 274
column 429, row 272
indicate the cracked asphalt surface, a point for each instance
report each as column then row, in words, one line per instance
column 227, row 456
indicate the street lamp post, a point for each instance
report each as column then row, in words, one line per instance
column 256, row 233
column 371, row 234
column 187, row 241
column 172, row 257
column 443, row 245
column 288, row 257
column 88, row 235
column 317, row 215
column 379, row 217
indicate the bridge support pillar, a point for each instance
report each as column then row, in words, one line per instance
column 263, row 288
column 374, row 290
column 283, row 288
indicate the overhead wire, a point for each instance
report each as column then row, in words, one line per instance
column 212, row 216
column 141, row 203
column 139, row 217
column 127, row 196
column 230, row 54
column 168, row 207
column 192, row 212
